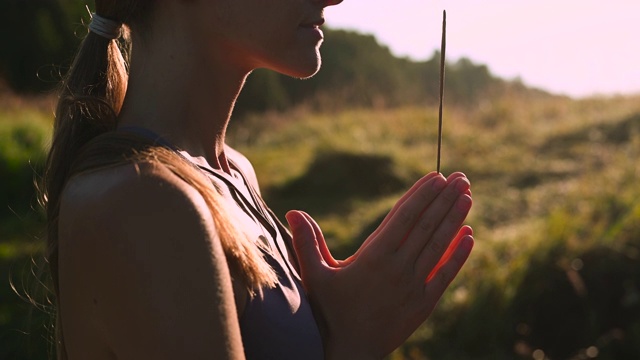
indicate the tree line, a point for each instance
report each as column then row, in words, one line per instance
column 41, row 36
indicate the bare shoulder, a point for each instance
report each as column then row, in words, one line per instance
column 141, row 265
column 244, row 164
column 142, row 199
column 118, row 192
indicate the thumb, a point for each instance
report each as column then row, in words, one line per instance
column 305, row 244
column 322, row 243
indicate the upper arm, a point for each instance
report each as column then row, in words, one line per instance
column 142, row 258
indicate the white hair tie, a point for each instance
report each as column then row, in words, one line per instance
column 104, row 27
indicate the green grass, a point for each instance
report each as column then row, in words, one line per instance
column 556, row 212
column 512, row 149
column 24, row 134
column 554, row 180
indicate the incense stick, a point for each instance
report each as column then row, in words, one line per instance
column 443, row 47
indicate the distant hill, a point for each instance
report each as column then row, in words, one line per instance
column 358, row 71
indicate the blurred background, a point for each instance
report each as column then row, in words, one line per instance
column 542, row 112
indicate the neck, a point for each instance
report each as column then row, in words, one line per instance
column 186, row 99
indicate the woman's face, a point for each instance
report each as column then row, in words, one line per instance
column 282, row 35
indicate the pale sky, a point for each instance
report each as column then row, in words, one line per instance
column 573, row 47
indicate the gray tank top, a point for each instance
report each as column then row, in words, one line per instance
column 278, row 324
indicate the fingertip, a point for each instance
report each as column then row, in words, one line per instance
column 466, row 230
column 438, row 183
column 294, row 217
column 309, row 220
column 299, row 220
column 460, row 184
column 307, row 216
column 428, row 177
column 467, row 242
column 456, row 175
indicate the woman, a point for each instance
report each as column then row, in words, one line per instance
column 159, row 243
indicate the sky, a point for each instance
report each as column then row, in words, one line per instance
column 577, row 48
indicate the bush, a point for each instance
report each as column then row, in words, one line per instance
column 21, row 155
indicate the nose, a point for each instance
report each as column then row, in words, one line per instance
column 331, row 2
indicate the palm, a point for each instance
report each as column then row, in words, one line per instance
column 375, row 299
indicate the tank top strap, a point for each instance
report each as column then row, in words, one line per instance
column 260, row 211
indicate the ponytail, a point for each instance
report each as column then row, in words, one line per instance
column 90, row 99
column 91, row 96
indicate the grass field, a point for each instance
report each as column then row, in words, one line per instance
column 556, row 269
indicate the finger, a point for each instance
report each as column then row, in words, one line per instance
column 435, row 287
column 305, row 245
column 464, row 231
column 427, row 178
column 442, row 211
column 455, row 175
column 322, row 244
column 399, row 203
column 445, row 234
column 404, row 217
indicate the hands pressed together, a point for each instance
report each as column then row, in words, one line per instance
column 370, row 303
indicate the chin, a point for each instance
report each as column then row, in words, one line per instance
column 302, row 68
column 306, row 73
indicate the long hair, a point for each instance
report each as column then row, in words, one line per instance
column 91, row 97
